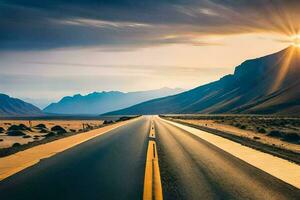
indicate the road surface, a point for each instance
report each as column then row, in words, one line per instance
column 112, row 166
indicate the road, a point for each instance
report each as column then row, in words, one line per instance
column 112, row 166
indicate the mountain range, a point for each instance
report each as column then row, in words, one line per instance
column 102, row 102
column 266, row 85
column 15, row 107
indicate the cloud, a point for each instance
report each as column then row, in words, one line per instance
column 130, row 24
column 118, row 70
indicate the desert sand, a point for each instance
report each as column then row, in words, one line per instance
column 35, row 134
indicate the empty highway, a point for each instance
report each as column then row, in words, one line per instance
column 112, row 166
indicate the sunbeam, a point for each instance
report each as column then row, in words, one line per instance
column 296, row 41
column 285, row 65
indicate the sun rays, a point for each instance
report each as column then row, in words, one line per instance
column 285, row 63
column 296, row 41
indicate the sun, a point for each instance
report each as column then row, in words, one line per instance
column 296, row 41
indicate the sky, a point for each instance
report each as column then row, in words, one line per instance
column 53, row 48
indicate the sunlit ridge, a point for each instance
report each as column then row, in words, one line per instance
column 285, row 64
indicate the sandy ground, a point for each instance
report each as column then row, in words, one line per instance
column 280, row 168
column 12, row 164
column 8, row 141
column 245, row 133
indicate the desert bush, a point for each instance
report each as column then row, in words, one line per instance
column 51, row 134
column 243, row 127
column 275, row 133
column 58, row 129
column 256, row 138
column 291, row 137
column 73, row 130
column 1, row 130
column 20, row 127
column 15, row 133
column 107, row 122
column 16, row 144
column 261, row 130
column 1, row 140
column 40, row 126
column 26, row 136
column 123, row 119
column 88, row 127
column 23, row 127
column 13, row 128
column 44, row 130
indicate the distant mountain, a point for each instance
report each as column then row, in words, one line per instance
column 101, row 102
column 15, row 107
column 267, row 85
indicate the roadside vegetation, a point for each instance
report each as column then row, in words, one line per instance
column 284, row 128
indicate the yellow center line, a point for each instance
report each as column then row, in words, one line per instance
column 152, row 131
column 152, row 181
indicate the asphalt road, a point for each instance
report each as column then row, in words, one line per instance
column 192, row 168
column 112, row 166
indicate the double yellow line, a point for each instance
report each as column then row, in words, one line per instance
column 152, row 181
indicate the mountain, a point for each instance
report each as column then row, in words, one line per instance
column 267, row 85
column 15, row 107
column 101, row 102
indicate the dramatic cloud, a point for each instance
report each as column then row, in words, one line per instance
column 127, row 24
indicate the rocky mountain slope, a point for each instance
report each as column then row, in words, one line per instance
column 15, row 107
